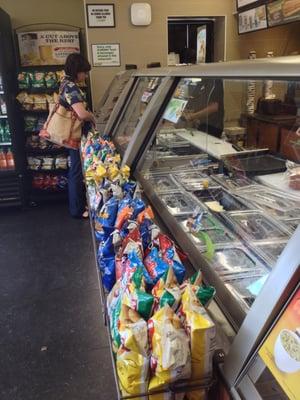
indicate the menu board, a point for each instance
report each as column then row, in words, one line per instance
column 283, row 11
column 281, row 350
column 253, row 20
column 47, row 47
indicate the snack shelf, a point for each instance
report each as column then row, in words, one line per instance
column 40, row 90
column 49, row 171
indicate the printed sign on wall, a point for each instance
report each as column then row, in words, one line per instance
column 47, row 47
column 253, row 20
column 106, row 55
column 100, row 15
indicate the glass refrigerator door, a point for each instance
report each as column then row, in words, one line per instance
column 6, row 154
column 134, row 110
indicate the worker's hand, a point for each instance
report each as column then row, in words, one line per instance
column 188, row 116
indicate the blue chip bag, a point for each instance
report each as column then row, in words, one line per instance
column 138, row 206
column 155, row 265
column 136, row 263
column 145, row 232
column 171, row 258
column 102, row 233
column 106, row 248
column 107, row 267
column 108, row 213
column 129, row 188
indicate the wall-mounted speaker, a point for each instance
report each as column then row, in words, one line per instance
column 141, row 14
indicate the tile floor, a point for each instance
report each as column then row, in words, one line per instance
column 53, row 344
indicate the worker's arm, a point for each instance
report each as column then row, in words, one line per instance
column 82, row 113
column 210, row 109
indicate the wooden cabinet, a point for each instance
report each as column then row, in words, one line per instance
column 268, row 132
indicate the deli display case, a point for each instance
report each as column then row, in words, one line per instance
column 212, row 191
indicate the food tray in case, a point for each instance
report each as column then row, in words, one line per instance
column 276, row 203
column 236, row 259
column 163, row 183
column 192, row 180
column 232, row 183
column 239, row 287
column 210, row 227
column 269, row 251
column 180, row 203
column 254, row 225
column 292, row 224
column 228, row 201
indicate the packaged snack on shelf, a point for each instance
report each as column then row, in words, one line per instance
column 39, row 102
column 34, row 163
column 136, row 297
column 125, row 212
column 60, row 75
column 167, row 291
column 26, row 100
column 47, row 163
column 105, row 220
column 50, row 80
column 133, row 359
column 171, row 257
column 171, row 357
column 61, row 162
column 30, row 123
column 202, row 334
column 107, row 268
column 37, row 80
column 23, row 80
column 155, row 265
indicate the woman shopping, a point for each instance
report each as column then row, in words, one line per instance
column 72, row 98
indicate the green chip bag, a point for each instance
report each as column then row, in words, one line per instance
column 37, row 80
column 50, row 80
column 23, row 80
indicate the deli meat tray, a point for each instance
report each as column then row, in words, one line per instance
column 180, row 203
column 255, row 225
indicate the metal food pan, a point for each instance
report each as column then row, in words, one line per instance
column 227, row 200
column 255, row 225
column 163, row 183
column 269, row 251
column 211, row 227
column 180, row 203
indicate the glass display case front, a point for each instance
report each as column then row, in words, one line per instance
column 134, row 109
column 222, row 167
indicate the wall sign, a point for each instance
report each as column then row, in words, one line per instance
column 283, row 11
column 253, row 20
column 281, row 350
column 106, row 55
column 100, row 15
column 47, row 47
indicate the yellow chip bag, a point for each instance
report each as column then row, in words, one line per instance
column 113, row 172
column 202, row 333
column 171, row 358
column 167, row 290
column 133, row 355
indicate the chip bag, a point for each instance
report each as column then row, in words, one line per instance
column 171, row 358
column 155, row 265
column 133, row 354
column 136, row 297
column 167, row 291
column 202, row 333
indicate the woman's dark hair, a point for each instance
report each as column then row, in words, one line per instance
column 76, row 63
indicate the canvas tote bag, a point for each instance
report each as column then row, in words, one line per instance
column 63, row 126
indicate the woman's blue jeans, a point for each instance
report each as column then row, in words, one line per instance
column 76, row 188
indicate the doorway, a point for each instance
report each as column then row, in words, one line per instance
column 187, row 34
